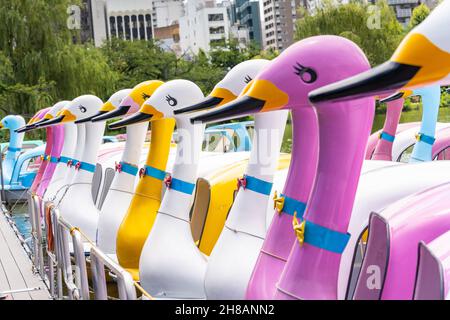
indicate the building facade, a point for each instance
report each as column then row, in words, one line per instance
column 203, row 24
column 128, row 20
column 166, row 12
column 279, row 23
column 247, row 14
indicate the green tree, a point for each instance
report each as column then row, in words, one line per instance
column 375, row 29
column 45, row 65
column 418, row 15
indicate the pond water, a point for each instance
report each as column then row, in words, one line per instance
column 22, row 219
column 408, row 116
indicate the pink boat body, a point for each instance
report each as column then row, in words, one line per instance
column 383, row 148
column 433, row 270
column 441, row 146
column 48, row 147
column 57, row 139
column 394, row 236
column 312, row 272
column 375, row 137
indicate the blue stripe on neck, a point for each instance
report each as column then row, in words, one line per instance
column 87, row 167
column 324, row 238
column 292, row 205
column 128, row 168
column 154, row 172
column 257, row 185
column 386, row 136
column 63, row 159
column 54, row 159
column 182, row 186
column 12, row 149
column 425, row 138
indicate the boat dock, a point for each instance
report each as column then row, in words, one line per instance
column 17, row 279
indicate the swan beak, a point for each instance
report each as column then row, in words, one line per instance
column 146, row 113
column 104, row 114
column 398, row 95
column 261, row 96
column 2, row 126
column 417, row 62
column 49, row 122
column 67, row 116
column 35, row 125
column 218, row 97
column 24, row 129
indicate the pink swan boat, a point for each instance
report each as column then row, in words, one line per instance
column 433, row 270
column 48, row 148
column 312, row 268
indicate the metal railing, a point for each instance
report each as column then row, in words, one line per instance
column 125, row 284
column 65, row 267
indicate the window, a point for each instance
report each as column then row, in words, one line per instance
column 120, row 27
column 148, row 20
column 217, row 30
column 134, row 26
column 141, row 27
column 215, row 17
column 127, row 28
column 112, row 26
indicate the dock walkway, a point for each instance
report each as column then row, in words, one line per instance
column 16, row 268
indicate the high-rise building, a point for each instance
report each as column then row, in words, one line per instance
column 204, row 23
column 128, row 20
column 279, row 23
column 246, row 14
column 166, row 12
column 403, row 8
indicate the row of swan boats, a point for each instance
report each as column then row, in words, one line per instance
column 338, row 218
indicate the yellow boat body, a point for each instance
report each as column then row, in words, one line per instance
column 223, row 185
column 144, row 206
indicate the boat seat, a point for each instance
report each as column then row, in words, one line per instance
column 96, row 182
column 107, row 181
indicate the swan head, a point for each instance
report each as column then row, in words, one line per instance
column 169, row 97
column 49, row 115
column 229, row 88
column 422, row 58
column 12, row 122
column 37, row 118
column 130, row 103
column 288, row 79
column 78, row 110
column 111, row 105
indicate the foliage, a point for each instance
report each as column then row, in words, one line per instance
column 43, row 65
column 418, row 15
column 375, row 29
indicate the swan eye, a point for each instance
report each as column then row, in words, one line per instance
column 171, row 101
column 82, row 109
column 307, row 74
column 145, row 96
column 247, row 79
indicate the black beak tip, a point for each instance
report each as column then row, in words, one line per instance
column 239, row 107
column 207, row 103
column 20, row 130
column 386, row 77
column 106, row 115
column 136, row 118
column 392, row 97
column 99, row 116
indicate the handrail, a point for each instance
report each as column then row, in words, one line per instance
column 125, row 283
column 77, row 284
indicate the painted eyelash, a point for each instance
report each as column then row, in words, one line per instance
column 247, row 79
column 145, row 96
column 171, row 101
column 301, row 70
